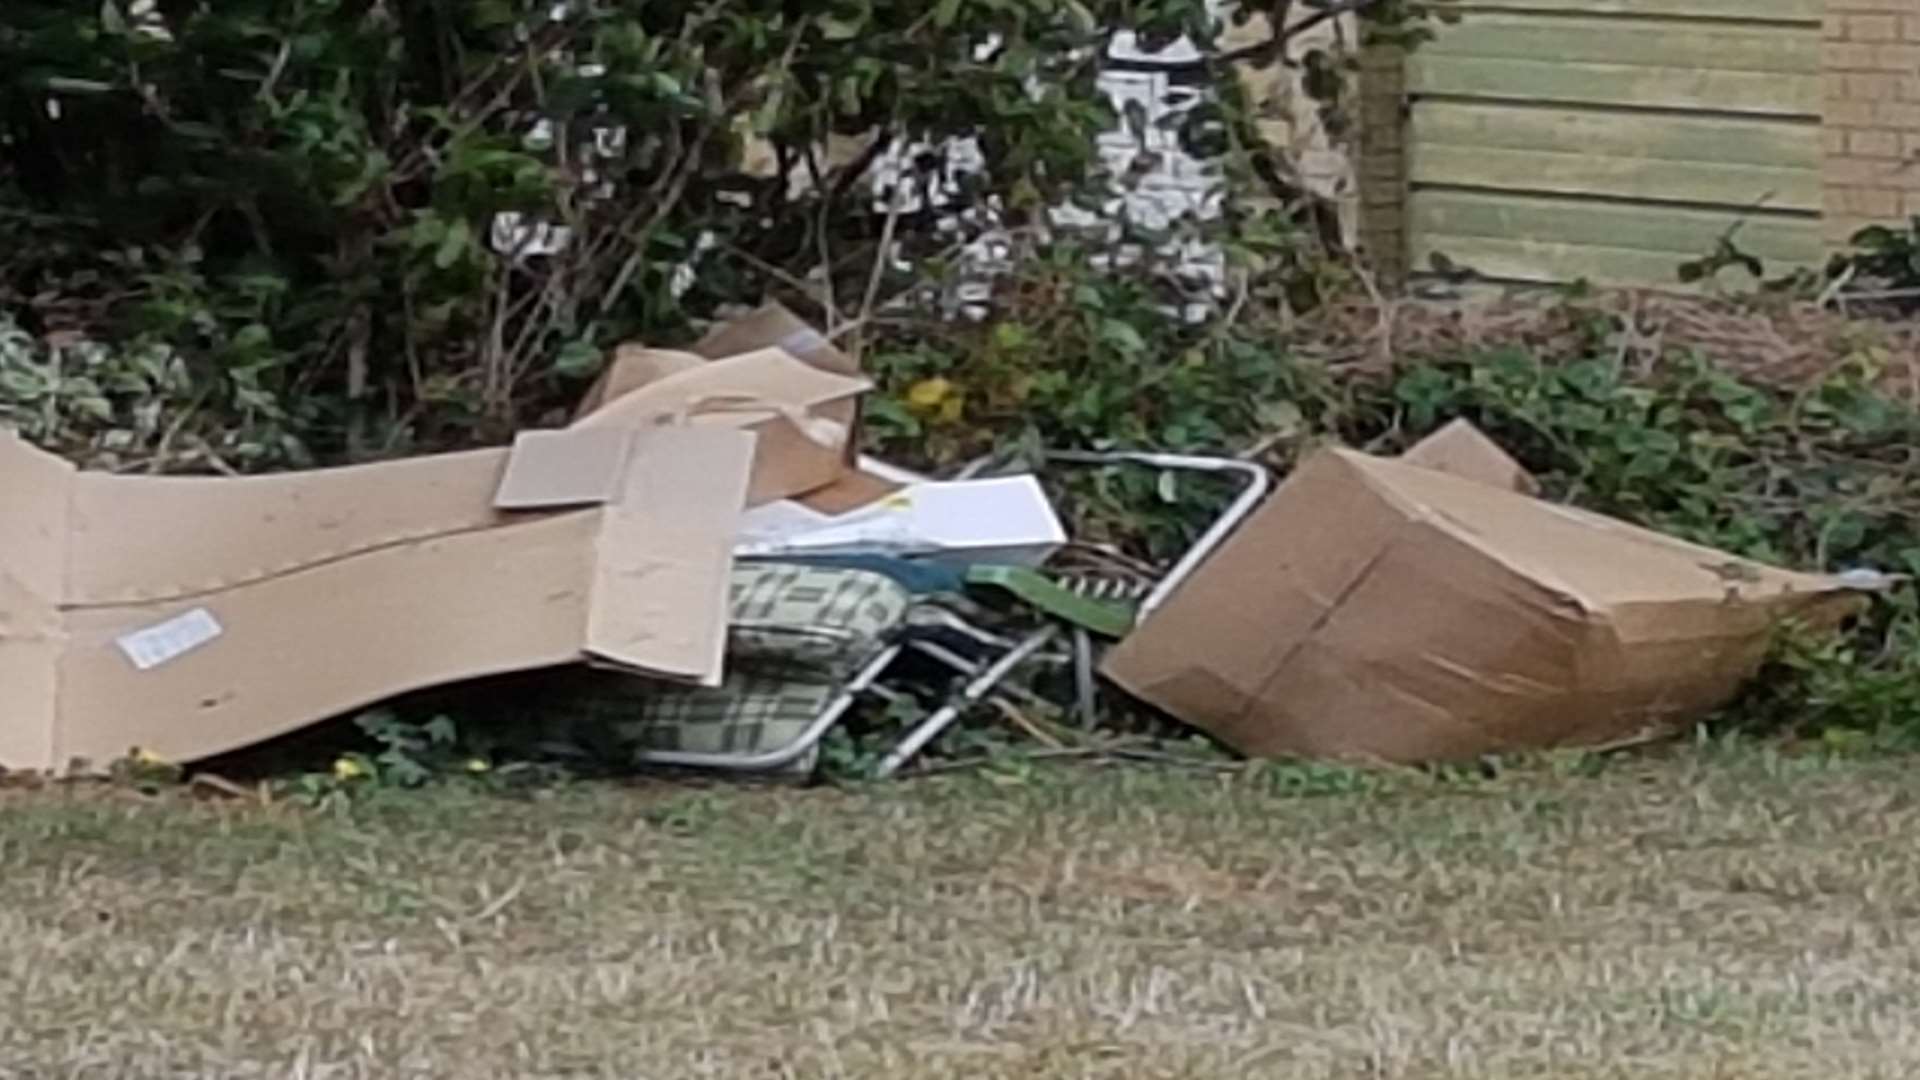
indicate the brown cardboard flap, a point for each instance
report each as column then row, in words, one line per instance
column 809, row 430
column 770, row 375
column 775, row 327
column 567, row 468
column 665, row 550
column 1601, row 559
column 1463, row 450
column 806, row 419
column 632, row 368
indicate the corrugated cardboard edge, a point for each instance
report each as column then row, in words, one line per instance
column 34, row 523
column 665, row 551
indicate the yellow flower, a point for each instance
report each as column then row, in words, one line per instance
column 478, row 765
column 929, row 393
column 347, row 769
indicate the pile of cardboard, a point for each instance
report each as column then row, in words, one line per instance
column 1426, row 608
column 190, row 616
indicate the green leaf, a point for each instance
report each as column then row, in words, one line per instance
column 578, row 360
column 1168, row 487
column 1281, row 418
column 440, row 731
column 1122, row 336
column 454, row 244
column 836, row 29
column 847, row 95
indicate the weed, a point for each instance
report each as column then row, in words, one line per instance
column 409, row 754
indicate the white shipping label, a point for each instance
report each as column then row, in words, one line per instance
column 170, row 640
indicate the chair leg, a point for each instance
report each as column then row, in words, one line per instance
column 971, row 668
column 1086, row 690
column 982, row 684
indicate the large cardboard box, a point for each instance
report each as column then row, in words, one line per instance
column 190, row 616
column 1380, row 610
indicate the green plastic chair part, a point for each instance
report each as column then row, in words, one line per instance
column 1107, row 618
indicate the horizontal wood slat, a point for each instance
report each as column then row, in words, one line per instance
column 1629, row 42
column 1685, row 232
column 1751, row 92
column 1773, row 163
column 1733, row 141
column 1618, row 177
column 1807, row 11
column 1552, row 239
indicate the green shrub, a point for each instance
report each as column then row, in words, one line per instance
column 300, row 196
column 1824, row 478
column 137, row 407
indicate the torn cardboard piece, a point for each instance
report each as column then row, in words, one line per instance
column 774, row 327
column 1465, row 451
column 804, row 416
column 191, row 616
column 550, row 470
column 769, row 373
column 1378, row 610
column 770, row 327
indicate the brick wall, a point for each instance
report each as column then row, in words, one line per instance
column 1870, row 60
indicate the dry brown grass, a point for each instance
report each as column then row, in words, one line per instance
column 1706, row 913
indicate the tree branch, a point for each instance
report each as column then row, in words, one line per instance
column 1276, row 42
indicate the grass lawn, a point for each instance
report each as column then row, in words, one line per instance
column 1696, row 912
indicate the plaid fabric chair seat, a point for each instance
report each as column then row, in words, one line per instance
column 749, row 714
column 810, row 622
column 796, row 634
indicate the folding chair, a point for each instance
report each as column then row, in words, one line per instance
column 1084, row 605
column 810, row 638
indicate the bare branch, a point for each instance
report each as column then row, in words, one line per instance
column 1275, row 45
